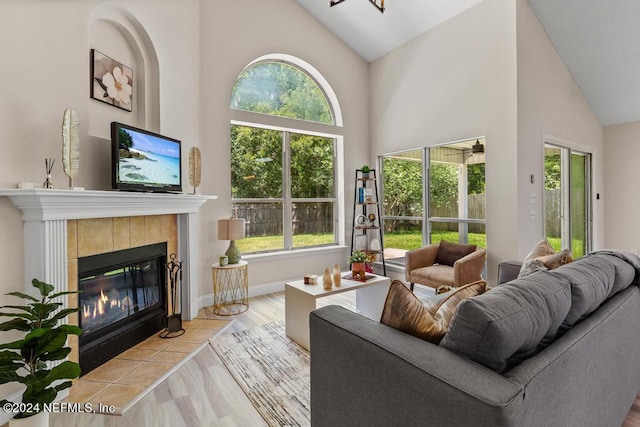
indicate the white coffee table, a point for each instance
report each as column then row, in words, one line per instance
column 300, row 300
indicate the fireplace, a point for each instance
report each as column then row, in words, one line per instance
column 122, row 301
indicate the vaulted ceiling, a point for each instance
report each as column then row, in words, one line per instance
column 598, row 40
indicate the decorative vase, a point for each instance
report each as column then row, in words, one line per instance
column 233, row 253
column 357, row 270
column 336, row 275
column 48, row 183
column 41, row 419
column 326, row 280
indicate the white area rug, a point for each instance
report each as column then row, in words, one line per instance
column 272, row 370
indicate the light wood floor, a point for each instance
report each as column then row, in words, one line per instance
column 203, row 393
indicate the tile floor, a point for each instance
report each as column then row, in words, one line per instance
column 124, row 380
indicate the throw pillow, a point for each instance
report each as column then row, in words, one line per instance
column 530, row 266
column 449, row 253
column 542, row 248
column 405, row 312
column 556, row 260
column 543, row 257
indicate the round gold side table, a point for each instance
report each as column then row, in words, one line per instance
column 230, row 288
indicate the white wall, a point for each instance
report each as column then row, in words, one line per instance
column 458, row 81
column 232, row 35
column 621, row 199
column 549, row 103
column 201, row 48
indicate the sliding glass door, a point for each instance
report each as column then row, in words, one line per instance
column 567, row 196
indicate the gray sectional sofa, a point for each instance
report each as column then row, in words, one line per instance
column 558, row 348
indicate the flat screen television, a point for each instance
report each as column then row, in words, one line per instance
column 144, row 161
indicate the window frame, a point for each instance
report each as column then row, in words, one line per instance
column 567, row 150
column 290, row 126
column 426, row 218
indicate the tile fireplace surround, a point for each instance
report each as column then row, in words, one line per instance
column 46, row 212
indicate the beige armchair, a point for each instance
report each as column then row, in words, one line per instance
column 452, row 265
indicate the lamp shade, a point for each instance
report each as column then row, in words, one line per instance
column 231, row 229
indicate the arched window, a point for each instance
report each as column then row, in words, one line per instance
column 283, row 156
column 280, row 89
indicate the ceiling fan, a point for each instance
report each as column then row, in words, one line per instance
column 467, row 153
column 373, row 2
column 477, row 147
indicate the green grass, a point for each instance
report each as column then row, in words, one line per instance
column 412, row 240
column 271, row 243
column 400, row 240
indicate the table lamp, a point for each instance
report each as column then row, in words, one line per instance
column 231, row 229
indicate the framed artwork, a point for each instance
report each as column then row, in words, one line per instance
column 111, row 82
column 361, row 242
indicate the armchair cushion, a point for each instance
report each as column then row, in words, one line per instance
column 434, row 275
column 449, row 253
column 421, row 267
column 405, row 312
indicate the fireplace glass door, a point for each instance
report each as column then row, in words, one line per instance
column 122, row 301
column 114, row 295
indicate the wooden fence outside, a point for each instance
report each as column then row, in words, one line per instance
column 265, row 219
column 552, row 200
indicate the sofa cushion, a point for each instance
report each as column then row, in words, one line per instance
column 592, row 279
column 404, row 311
column 625, row 272
column 510, row 322
column 449, row 253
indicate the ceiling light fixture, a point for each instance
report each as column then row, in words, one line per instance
column 373, row 2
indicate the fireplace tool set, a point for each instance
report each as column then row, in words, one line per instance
column 174, row 321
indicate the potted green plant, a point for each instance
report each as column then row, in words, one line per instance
column 357, row 261
column 365, row 169
column 27, row 360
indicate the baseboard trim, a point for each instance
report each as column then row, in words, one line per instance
column 254, row 291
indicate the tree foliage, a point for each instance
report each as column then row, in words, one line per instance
column 125, row 139
column 552, row 178
column 443, row 183
column 402, row 187
column 476, row 178
column 257, row 160
column 280, row 89
column 311, row 166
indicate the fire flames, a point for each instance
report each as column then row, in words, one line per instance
column 103, row 303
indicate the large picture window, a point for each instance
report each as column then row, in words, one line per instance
column 432, row 194
column 283, row 172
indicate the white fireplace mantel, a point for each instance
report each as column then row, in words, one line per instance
column 45, row 213
column 52, row 204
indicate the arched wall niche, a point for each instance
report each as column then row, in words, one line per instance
column 115, row 32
